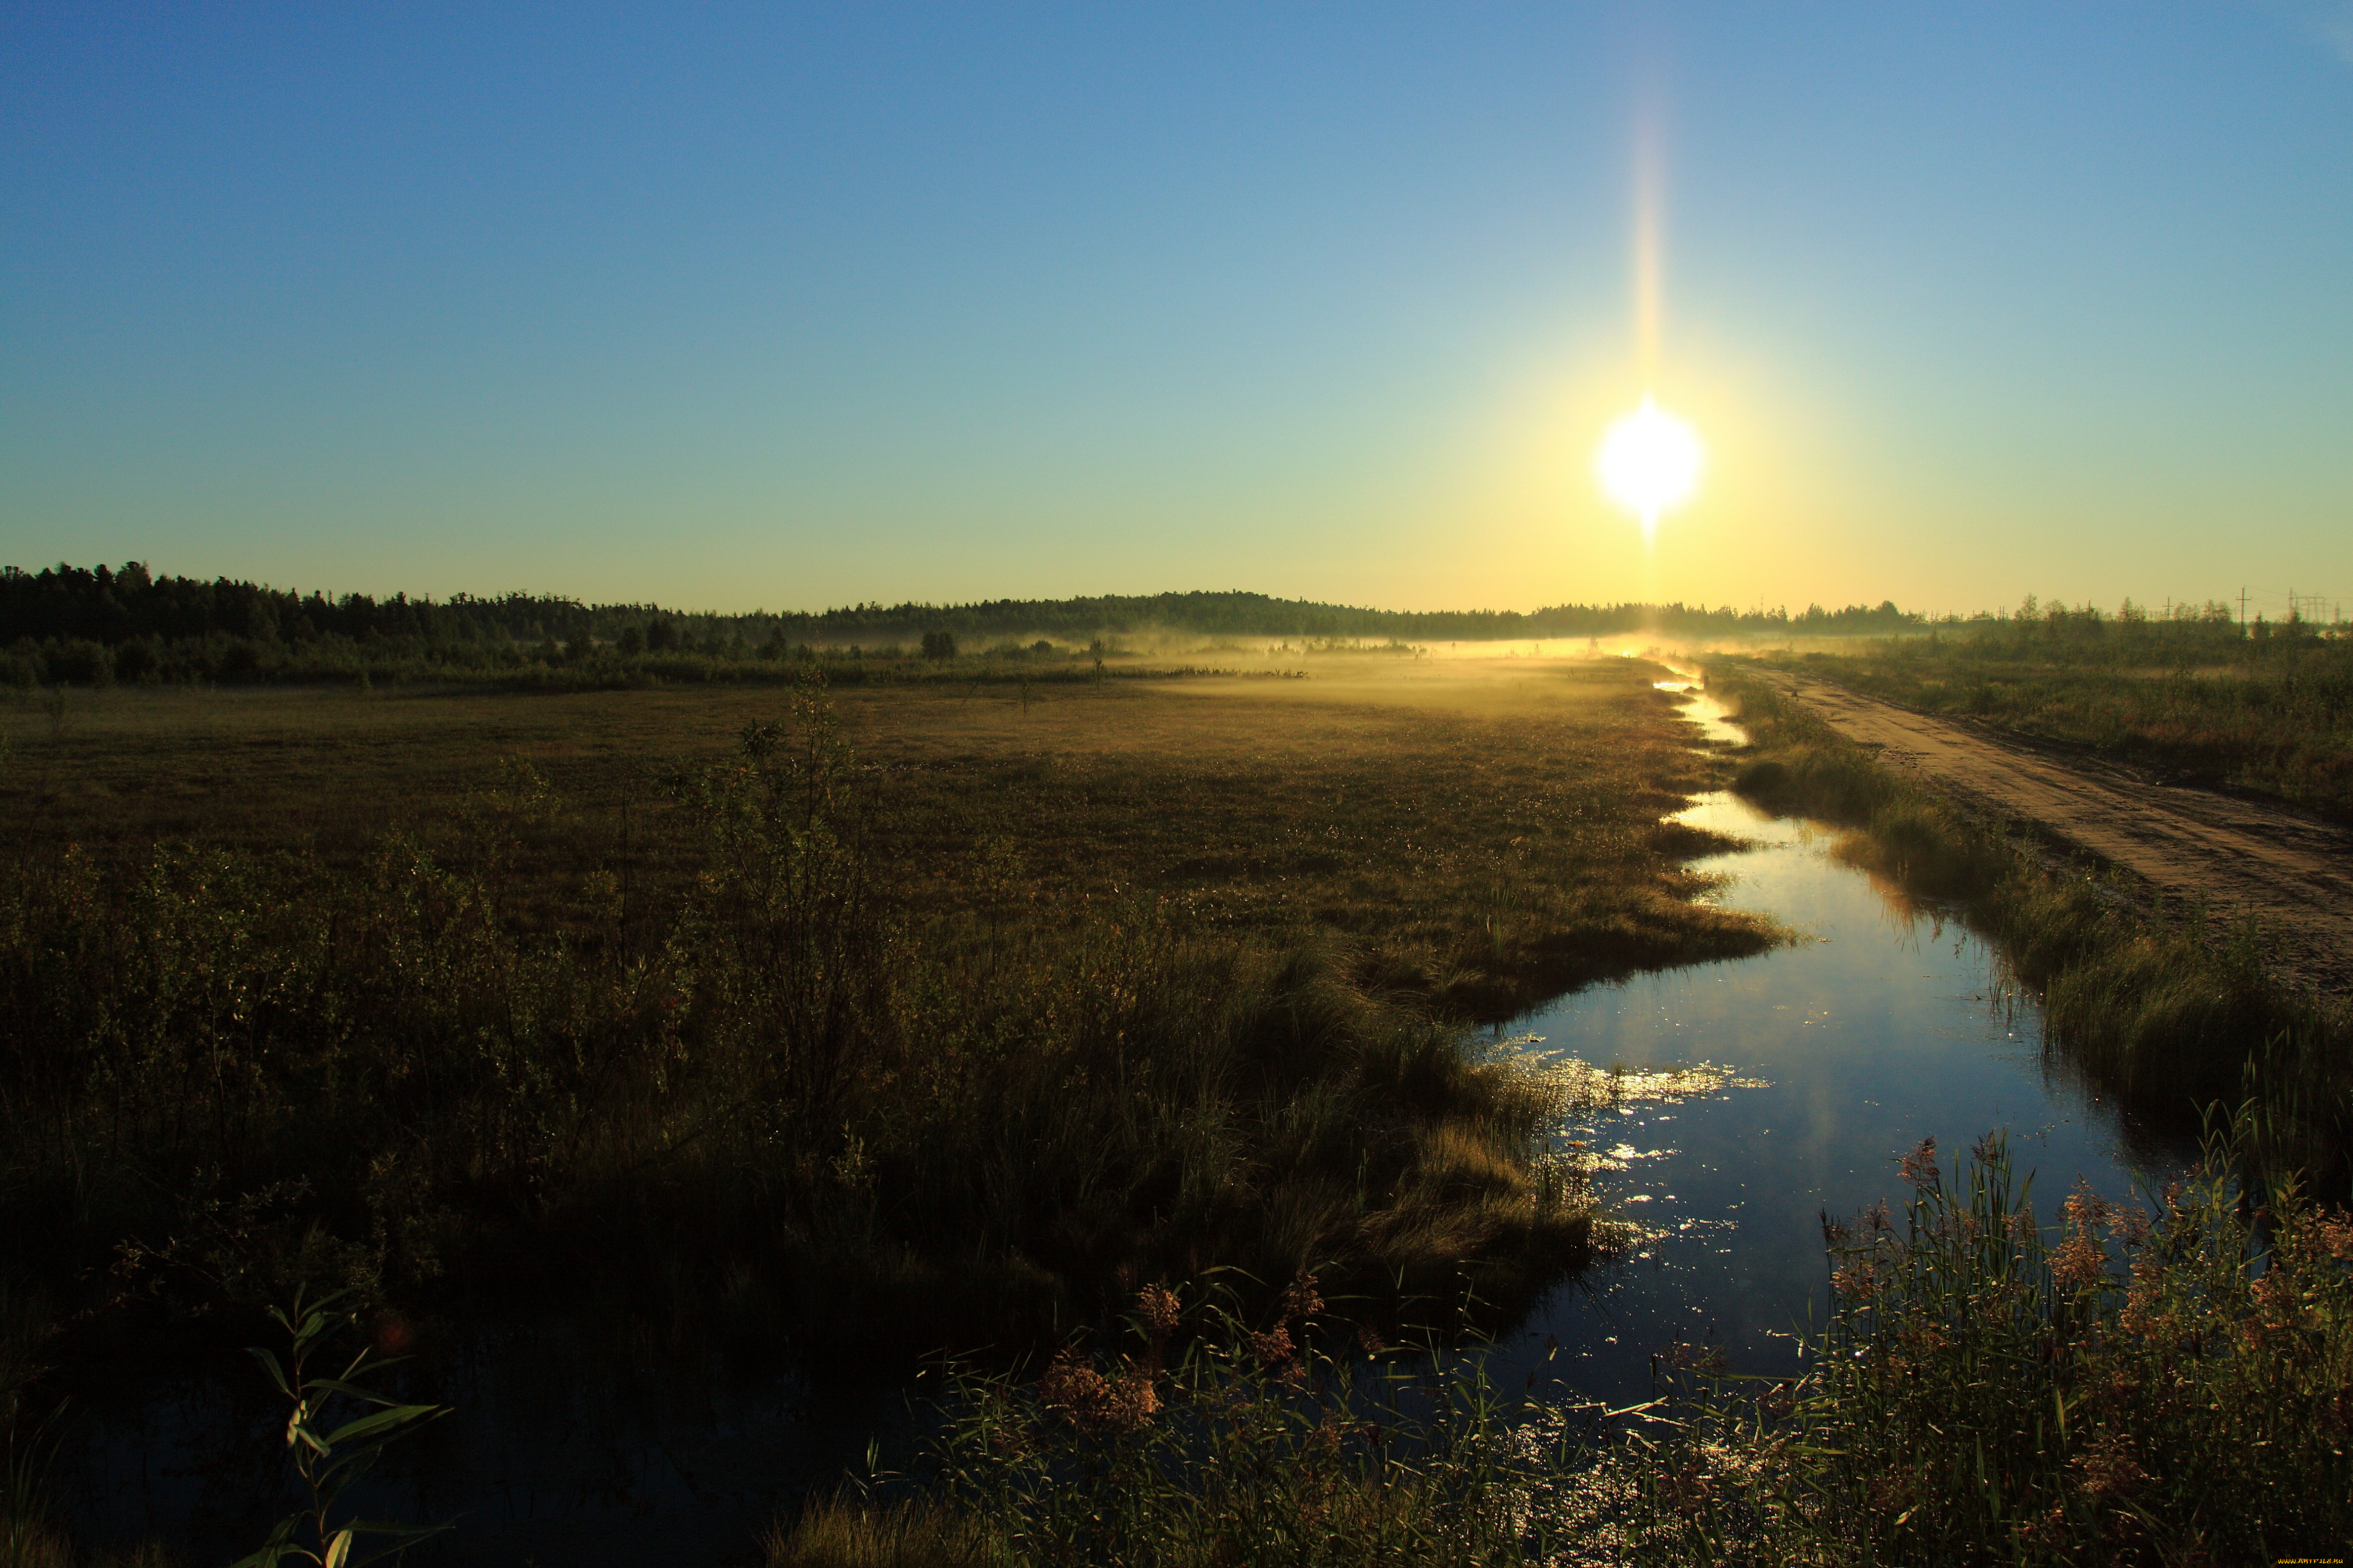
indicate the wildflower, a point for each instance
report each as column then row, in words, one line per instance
column 1301, row 1299
column 1156, row 1307
column 1098, row 1406
column 1274, row 1347
column 2085, row 1208
column 1920, row 1165
column 2276, row 1301
column 2077, row 1262
column 1369, row 1342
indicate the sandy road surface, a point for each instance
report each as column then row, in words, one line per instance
column 2289, row 868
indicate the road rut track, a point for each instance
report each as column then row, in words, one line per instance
column 2289, row 869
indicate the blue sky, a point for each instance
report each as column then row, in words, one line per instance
column 787, row 306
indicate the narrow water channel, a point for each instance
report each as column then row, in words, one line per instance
column 1885, row 1022
column 1761, row 1092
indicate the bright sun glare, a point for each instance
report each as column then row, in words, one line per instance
column 1650, row 463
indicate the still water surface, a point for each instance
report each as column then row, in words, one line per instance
column 1882, row 1024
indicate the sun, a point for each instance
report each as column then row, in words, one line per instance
column 1650, row 462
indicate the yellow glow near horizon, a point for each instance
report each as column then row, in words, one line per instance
column 1650, row 462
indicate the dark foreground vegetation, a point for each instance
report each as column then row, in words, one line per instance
column 877, row 1020
column 2190, row 696
column 2163, row 1006
column 99, row 626
column 2172, row 1386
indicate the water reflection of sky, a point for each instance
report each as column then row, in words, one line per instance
column 1876, row 1028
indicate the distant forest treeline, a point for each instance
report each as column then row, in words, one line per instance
column 94, row 625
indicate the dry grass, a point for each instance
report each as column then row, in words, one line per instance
column 1488, row 831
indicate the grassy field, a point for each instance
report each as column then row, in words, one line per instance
column 1490, row 834
column 901, row 1016
column 2189, row 697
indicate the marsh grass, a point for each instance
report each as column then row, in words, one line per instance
column 863, row 1022
column 2161, row 1006
column 1482, row 843
column 2159, row 1384
column 2141, row 1385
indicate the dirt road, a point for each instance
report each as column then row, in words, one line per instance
column 2290, row 870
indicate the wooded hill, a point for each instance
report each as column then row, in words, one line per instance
column 114, row 607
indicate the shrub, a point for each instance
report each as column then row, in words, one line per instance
column 2136, row 1387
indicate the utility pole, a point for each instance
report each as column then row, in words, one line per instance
column 2243, row 609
